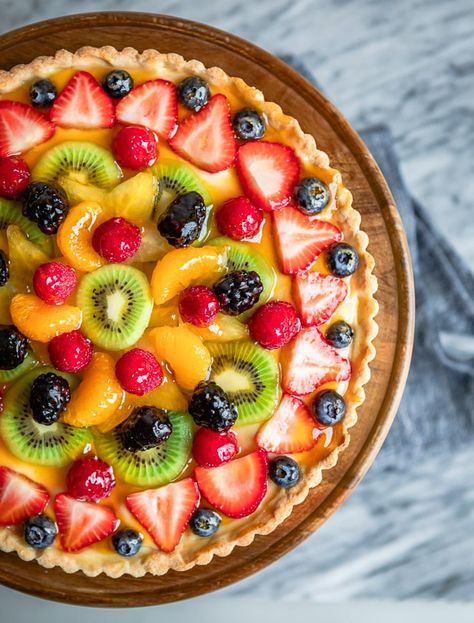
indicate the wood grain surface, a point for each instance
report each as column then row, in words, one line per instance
column 380, row 220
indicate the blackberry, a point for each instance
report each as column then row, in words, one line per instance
column 284, row 471
column 49, row 396
column 4, row 270
column 238, row 291
column 343, row 259
column 340, row 334
column 146, row 428
column 328, row 407
column 182, row 222
column 312, row 195
column 42, row 93
column 40, row 531
column 13, row 347
column 45, row 205
column 204, row 522
column 117, row 83
column 211, row 407
column 127, row 542
column 193, row 93
column 248, row 124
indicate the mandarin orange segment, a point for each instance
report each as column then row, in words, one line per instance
column 181, row 268
column 40, row 321
column 98, row 396
column 74, row 237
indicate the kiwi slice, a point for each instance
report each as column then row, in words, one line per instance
column 84, row 162
column 157, row 466
column 58, row 444
column 116, row 304
column 10, row 214
column 175, row 178
column 249, row 375
column 6, row 376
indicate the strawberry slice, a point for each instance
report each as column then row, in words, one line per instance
column 153, row 104
column 20, row 497
column 317, row 296
column 268, row 173
column 82, row 523
column 291, row 429
column 301, row 239
column 206, row 138
column 83, row 103
column 21, row 127
column 165, row 512
column 311, row 361
column 235, row 488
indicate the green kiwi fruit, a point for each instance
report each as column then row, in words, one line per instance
column 58, row 444
column 116, row 304
column 155, row 467
column 176, row 178
column 85, row 162
column 249, row 375
column 6, row 376
column 10, row 214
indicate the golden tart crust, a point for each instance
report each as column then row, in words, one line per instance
column 278, row 503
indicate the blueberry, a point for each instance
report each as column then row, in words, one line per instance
column 146, row 428
column 204, row 522
column 40, row 531
column 211, row 407
column 328, row 407
column 193, row 92
column 343, row 259
column 238, row 291
column 182, row 222
column 340, row 334
column 4, row 270
column 248, row 124
column 284, row 471
column 45, row 205
column 117, row 83
column 127, row 542
column 312, row 195
column 50, row 393
column 42, row 93
column 13, row 347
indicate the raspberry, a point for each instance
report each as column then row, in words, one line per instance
column 274, row 324
column 138, row 372
column 70, row 352
column 198, row 305
column 135, row 147
column 14, row 177
column 90, row 479
column 116, row 240
column 54, row 282
column 238, row 218
column 211, row 449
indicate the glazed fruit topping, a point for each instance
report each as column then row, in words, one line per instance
column 284, row 471
column 117, row 83
column 50, row 393
column 21, row 127
column 206, row 138
column 45, row 205
column 40, row 531
column 318, row 296
column 138, row 372
column 127, row 543
column 268, row 173
column 14, row 177
column 328, row 407
column 4, row 269
column 154, row 105
column 146, row 428
column 13, row 347
column 343, row 259
column 274, row 324
column 211, row 407
column 238, row 291
column 198, row 305
column 239, row 218
column 42, row 93
column 116, row 240
column 83, row 104
column 235, row 488
column 40, row 321
column 340, row 334
column 70, row 352
column 90, row 479
column 204, row 522
column 301, row 239
column 182, row 222
column 211, row 448
column 312, row 195
column 193, row 92
column 248, row 124
column 135, row 147
column 54, row 282
column 165, row 512
column 20, row 497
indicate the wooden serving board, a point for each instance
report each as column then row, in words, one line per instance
column 380, row 220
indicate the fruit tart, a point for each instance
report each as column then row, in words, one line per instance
column 186, row 312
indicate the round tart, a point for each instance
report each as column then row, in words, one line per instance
column 186, row 312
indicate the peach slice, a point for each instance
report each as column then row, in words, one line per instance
column 40, row 321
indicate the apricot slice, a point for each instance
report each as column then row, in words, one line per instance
column 40, row 321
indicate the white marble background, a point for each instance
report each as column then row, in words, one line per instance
column 410, row 64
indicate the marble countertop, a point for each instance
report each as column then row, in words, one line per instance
column 409, row 64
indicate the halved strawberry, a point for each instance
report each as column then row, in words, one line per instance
column 206, row 138
column 291, row 429
column 268, row 173
column 312, row 361
column 317, row 296
column 235, row 488
column 83, row 103
column 301, row 239
column 20, row 497
column 165, row 512
column 82, row 523
column 153, row 104
column 21, row 127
